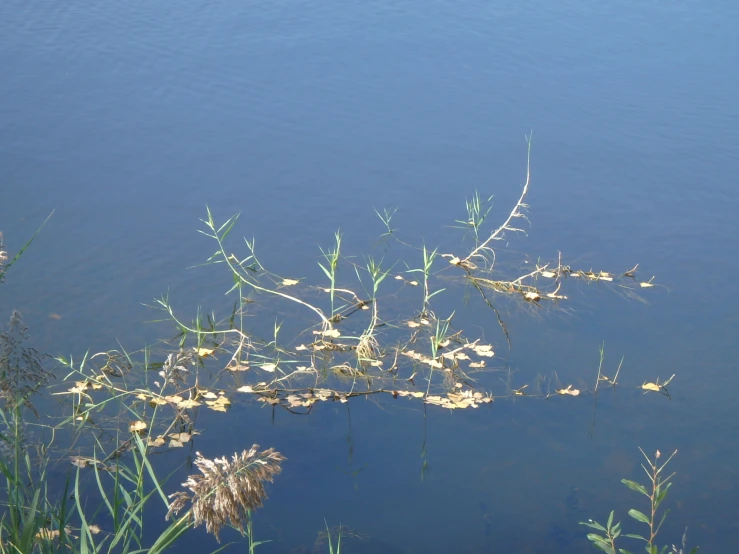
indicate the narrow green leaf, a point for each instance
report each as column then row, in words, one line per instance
column 602, row 545
column 228, row 225
column 633, row 485
column 661, row 496
column 610, row 520
column 594, row 525
column 638, row 516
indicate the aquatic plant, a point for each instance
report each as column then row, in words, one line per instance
column 356, row 342
column 606, row 536
column 226, row 492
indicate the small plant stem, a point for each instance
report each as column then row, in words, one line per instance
column 514, row 213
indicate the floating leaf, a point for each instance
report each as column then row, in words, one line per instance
column 137, row 426
column 268, row 367
column 47, row 534
column 481, row 363
column 569, row 390
column 271, row 401
column 79, row 461
column 245, row 388
column 219, row 405
column 289, row 282
column 183, row 437
column 190, row 403
column 532, row 296
column 455, row 261
column 209, row 395
column 204, row 352
column 328, row 333
column 651, row 386
column 548, row 274
column 159, row 441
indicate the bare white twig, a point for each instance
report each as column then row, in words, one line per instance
column 506, row 226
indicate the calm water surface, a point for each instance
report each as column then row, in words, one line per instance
column 128, row 117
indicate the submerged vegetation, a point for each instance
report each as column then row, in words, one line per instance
column 376, row 334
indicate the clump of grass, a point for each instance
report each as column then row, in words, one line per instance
column 22, row 372
column 606, row 536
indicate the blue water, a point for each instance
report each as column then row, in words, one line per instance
column 127, row 118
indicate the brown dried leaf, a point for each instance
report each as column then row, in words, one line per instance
column 79, row 461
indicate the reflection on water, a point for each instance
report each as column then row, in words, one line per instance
column 129, row 117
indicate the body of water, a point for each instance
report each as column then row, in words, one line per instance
column 127, row 118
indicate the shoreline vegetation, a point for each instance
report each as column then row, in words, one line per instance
column 351, row 345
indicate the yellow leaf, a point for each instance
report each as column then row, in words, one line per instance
column 413, row 324
column 569, row 390
column 188, row 404
column 651, row 386
column 454, row 260
column 645, row 285
column 159, row 441
column 137, row 426
column 204, row 352
column 289, row 282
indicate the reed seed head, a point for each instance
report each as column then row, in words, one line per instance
column 226, row 491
